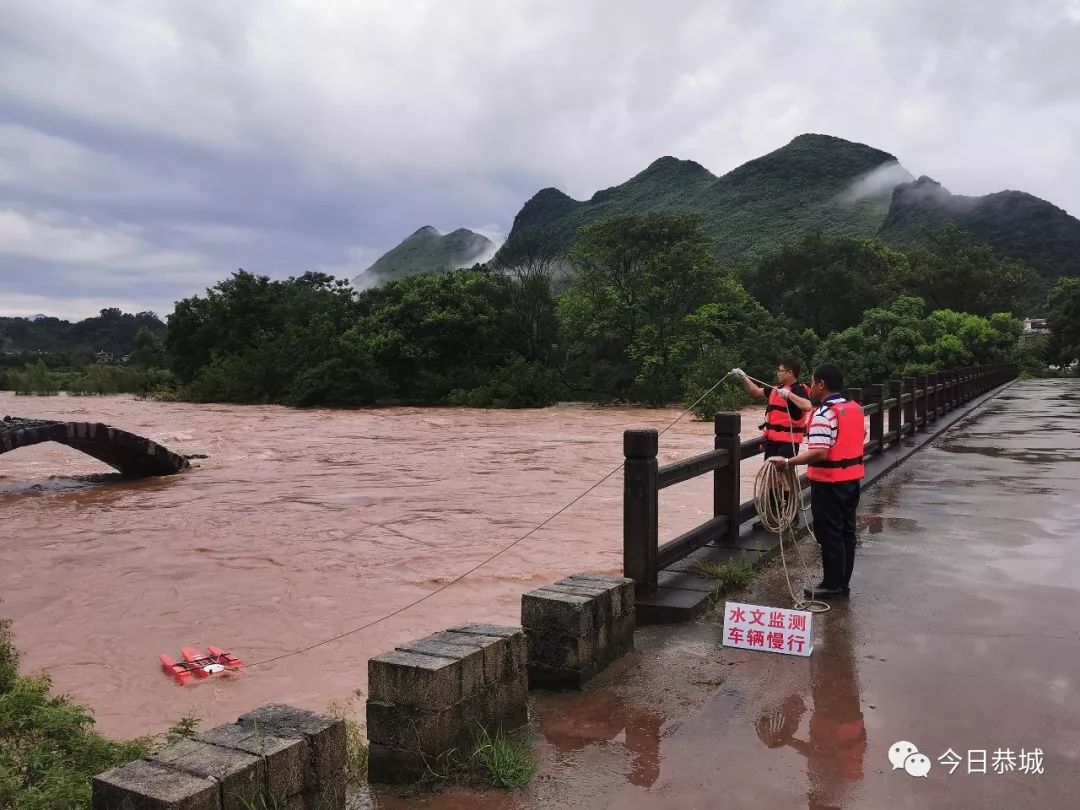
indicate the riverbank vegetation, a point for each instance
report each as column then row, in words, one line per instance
column 637, row 311
column 48, row 747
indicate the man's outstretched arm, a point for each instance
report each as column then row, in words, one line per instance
column 751, row 387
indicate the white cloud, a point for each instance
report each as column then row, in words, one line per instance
column 279, row 133
column 75, row 309
column 84, row 244
column 62, row 168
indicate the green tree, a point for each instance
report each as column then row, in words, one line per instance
column 624, row 318
column 149, row 349
column 250, row 339
column 437, row 335
column 1063, row 318
column 826, row 282
column 533, row 261
column 960, row 274
column 901, row 339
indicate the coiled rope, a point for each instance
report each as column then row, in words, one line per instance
column 778, row 498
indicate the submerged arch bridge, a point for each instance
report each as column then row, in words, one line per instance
column 132, row 455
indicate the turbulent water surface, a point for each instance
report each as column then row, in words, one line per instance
column 298, row 526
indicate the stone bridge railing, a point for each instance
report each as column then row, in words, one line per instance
column 132, row 455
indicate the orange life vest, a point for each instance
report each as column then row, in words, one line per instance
column 845, row 459
column 779, row 426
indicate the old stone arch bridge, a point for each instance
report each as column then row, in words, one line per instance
column 134, row 456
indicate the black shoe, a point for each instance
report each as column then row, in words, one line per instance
column 824, row 592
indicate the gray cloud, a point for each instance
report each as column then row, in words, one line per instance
column 147, row 150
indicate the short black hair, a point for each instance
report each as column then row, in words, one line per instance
column 830, row 376
column 792, row 365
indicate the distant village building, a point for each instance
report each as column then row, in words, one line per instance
column 1036, row 326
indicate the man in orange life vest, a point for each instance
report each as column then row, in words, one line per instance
column 787, row 410
column 834, row 459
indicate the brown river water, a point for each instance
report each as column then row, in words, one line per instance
column 301, row 525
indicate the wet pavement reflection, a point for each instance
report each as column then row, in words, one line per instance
column 835, row 741
column 572, row 722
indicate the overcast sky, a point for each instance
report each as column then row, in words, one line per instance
column 148, row 148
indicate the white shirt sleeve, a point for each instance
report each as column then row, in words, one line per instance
column 822, row 433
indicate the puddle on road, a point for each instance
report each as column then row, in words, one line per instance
column 571, row 723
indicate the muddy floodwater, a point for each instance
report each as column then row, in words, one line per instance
column 298, row 526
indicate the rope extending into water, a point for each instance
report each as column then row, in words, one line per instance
column 483, row 562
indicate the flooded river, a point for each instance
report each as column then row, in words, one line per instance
column 299, row 526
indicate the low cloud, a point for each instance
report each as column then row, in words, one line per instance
column 878, row 183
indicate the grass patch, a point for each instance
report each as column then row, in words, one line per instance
column 356, row 749
column 186, row 728
column 503, row 763
column 731, row 576
column 48, row 747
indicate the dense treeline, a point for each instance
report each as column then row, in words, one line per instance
column 110, row 331
column 638, row 311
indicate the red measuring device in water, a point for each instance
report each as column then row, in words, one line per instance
column 197, row 665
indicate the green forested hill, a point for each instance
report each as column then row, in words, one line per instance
column 811, row 184
column 1015, row 224
column 426, row 251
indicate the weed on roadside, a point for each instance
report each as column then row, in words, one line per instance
column 731, row 576
column 504, row 763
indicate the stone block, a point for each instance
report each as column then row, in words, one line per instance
column 394, row 766
column 558, row 651
column 492, row 648
column 470, row 660
column 512, row 702
column 557, row 614
column 143, row 785
column 417, row 723
column 421, row 730
column 285, row 759
column 545, row 677
column 323, row 733
column 240, row 775
column 577, row 626
column 487, row 629
column 515, row 651
column 412, row 679
column 622, row 590
column 599, row 600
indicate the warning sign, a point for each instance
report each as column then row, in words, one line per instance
column 779, row 630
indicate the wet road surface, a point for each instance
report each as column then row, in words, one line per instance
column 962, row 635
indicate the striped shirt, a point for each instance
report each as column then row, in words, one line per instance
column 822, row 433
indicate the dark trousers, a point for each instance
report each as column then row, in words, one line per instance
column 833, row 507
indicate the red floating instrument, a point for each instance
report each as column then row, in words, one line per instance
column 197, row 665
